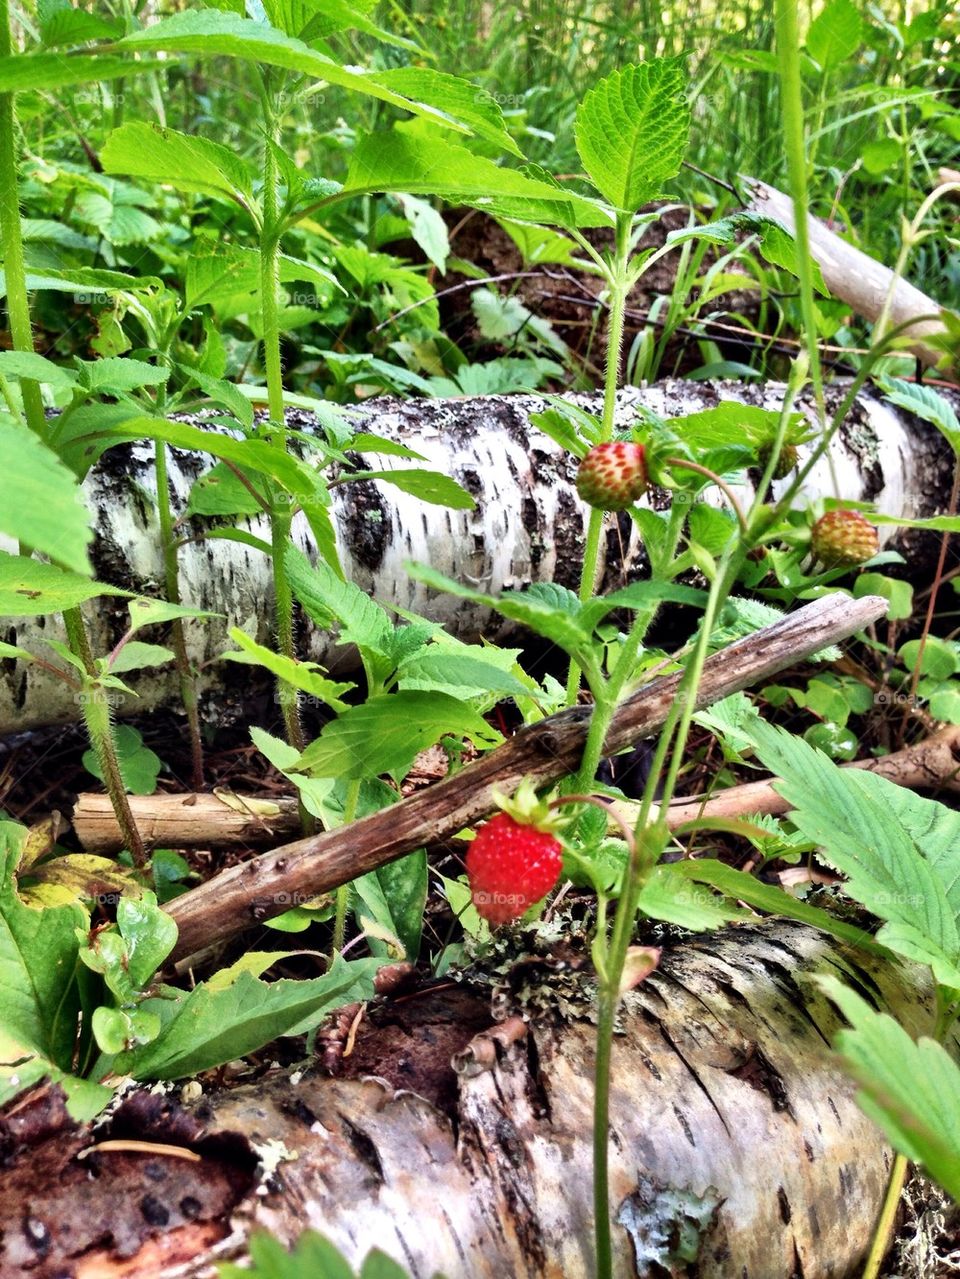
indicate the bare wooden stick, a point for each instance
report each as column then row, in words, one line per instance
column 854, row 276
column 243, row 895
column 195, row 820
column 933, row 764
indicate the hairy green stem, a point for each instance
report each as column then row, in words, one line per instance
column 887, row 1219
column 343, row 892
column 171, row 574
column 650, row 841
column 96, row 716
column 619, row 284
column 281, row 515
column 791, row 98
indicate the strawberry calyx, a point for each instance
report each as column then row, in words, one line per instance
column 527, row 808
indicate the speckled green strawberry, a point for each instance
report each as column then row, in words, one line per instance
column 842, row 538
column 613, row 475
column 786, row 461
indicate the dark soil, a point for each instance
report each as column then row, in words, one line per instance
column 571, row 301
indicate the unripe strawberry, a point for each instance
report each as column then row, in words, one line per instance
column 843, row 538
column 786, row 461
column 613, row 475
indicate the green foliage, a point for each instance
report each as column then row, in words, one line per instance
column 313, row 1257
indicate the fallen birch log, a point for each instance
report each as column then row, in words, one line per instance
column 528, row 526
column 255, row 890
column 249, row 821
column 856, row 278
column 736, row 1146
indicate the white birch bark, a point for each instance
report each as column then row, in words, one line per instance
column 528, row 526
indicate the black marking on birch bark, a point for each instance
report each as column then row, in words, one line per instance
column 675, row 1047
column 783, row 1202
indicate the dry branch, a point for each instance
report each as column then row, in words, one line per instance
column 855, row 277
column 244, row 821
column 243, row 895
column 932, row 764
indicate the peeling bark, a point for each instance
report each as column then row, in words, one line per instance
column 730, row 1123
column 528, row 526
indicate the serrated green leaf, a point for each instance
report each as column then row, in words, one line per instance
column 632, row 130
column 835, row 34
column 910, row 1090
column 896, row 849
column 327, row 597
column 210, row 33
column 146, row 150
column 457, row 673
column 386, row 733
column 57, row 71
column 306, row 676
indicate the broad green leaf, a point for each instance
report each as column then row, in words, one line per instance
column 835, row 34
column 209, row 33
column 911, row 1090
column 457, row 673
column 428, row 229
column 396, row 895
column 732, row 423
column 204, row 1028
column 671, row 896
column 937, row 657
column 313, row 20
column 145, row 150
column 900, row 594
column 258, row 455
column 429, row 486
column 29, row 588
column 86, row 283
column 139, row 765
column 386, row 733
column 632, row 130
column 135, row 655
column 61, row 23
column 38, row 958
column 456, row 98
column 56, row 71
column 145, row 612
column 925, row 403
column 220, row 491
column 41, row 504
column 547, row 609
column 742, row 887
column 399, row 161
column 306, row 676
column 221, row 392
column 116, row 374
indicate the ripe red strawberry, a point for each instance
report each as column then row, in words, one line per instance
column 843, row 538
column 516, row 857
column 613, row 475
column 786, row 460
column 510, row 866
